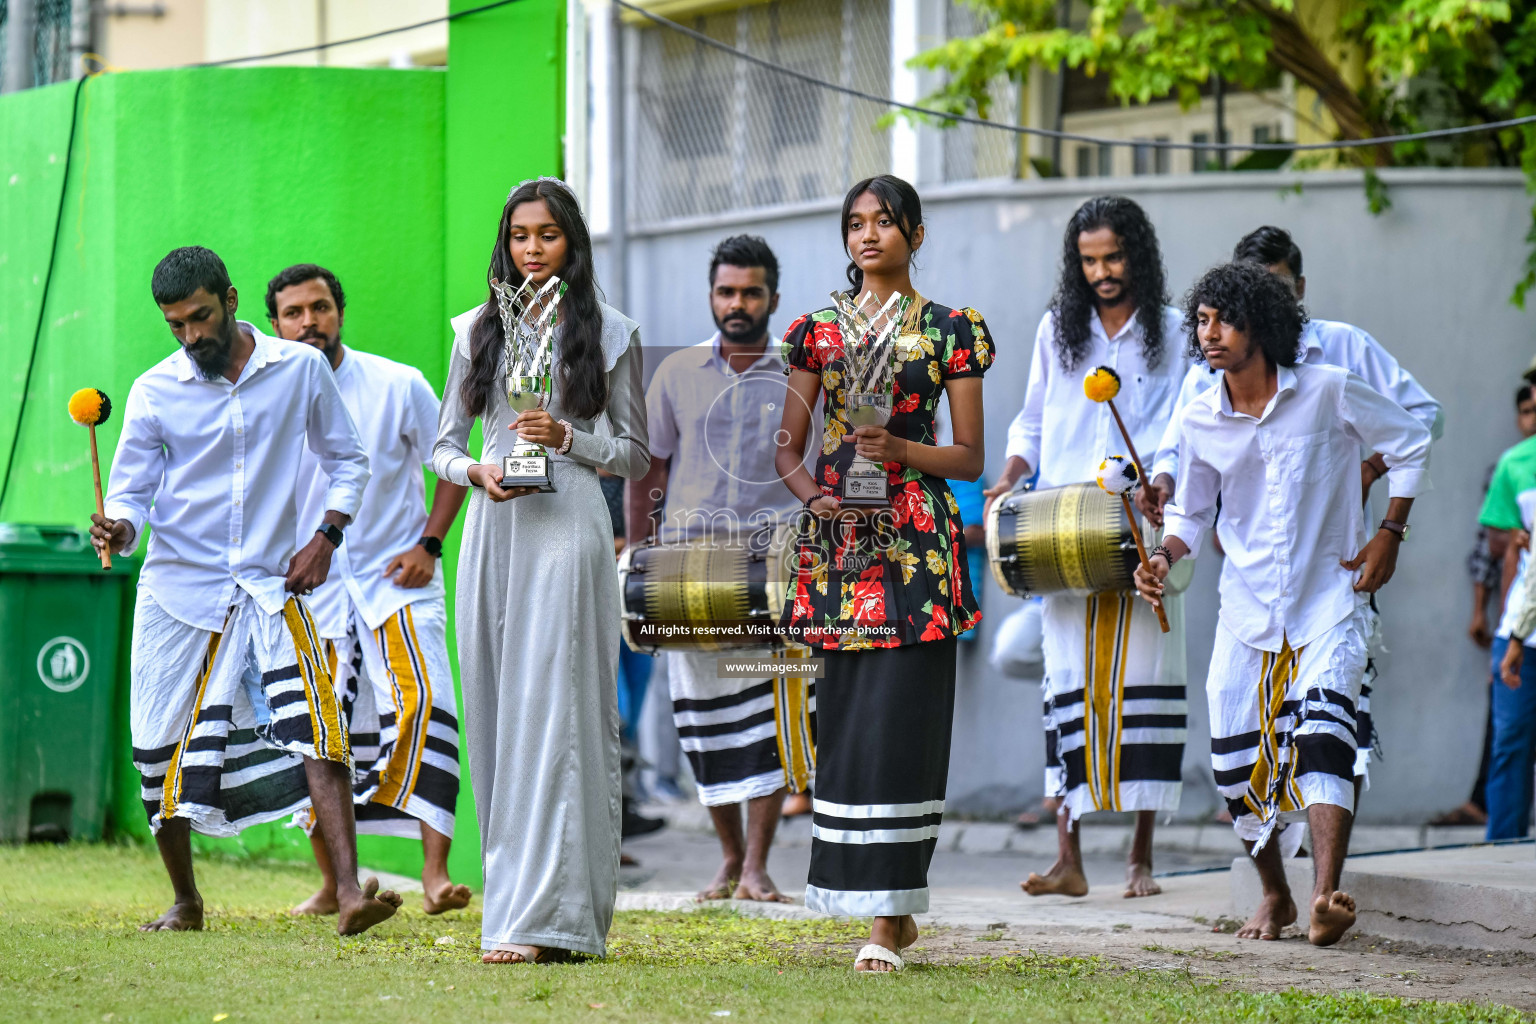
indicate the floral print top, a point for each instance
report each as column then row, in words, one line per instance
column 898, row 577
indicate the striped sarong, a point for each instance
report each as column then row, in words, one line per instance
column 221, row 722
column 744, row 737
column 1284, row 727
column 1115, row 709
column 883, row 722
column 794, row 709
column 397, row 691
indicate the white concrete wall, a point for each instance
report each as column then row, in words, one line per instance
column 1430, row 278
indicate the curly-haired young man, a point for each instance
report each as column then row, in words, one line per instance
column 1323, row 343
column 1114, row 706
column 1273, row 439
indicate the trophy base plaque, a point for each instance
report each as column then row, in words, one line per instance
column 526, row 471
column 866, row 488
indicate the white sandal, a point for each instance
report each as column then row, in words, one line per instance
column 874, row 952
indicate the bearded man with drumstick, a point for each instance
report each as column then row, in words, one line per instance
column 1114, row 686
column 714, row 409
column 232, row 708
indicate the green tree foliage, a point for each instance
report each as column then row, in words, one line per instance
column 1389, row 67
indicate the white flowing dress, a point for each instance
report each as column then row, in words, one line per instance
column 538, row 632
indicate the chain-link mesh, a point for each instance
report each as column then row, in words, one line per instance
column 714, row 133
column 50, row 53
column 972, row 152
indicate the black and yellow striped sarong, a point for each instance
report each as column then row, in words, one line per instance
column 1284, row 726
column 221, row 722
column 1115, row 720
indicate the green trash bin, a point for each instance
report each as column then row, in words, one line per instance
column 59, row 623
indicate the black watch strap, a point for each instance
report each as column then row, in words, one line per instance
column 332, row 533
column 431, row 545
column 1401, row 529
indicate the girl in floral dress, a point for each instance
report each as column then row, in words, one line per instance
column 882, row 594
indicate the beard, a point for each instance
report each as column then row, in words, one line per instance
column 741, row 329
column 211, row 356
column 1120, row 296
column 328, row 345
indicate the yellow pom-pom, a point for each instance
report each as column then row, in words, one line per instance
column 1117, row 474
column 89, row 407
column 1101, row 384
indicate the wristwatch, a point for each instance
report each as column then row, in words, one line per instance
column 332, row 533
column 1401, row 529
column 431, row 545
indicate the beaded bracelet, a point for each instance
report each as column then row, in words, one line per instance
column 570, row 435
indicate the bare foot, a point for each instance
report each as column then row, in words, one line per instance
column 906, row 935
column 372, row 907
column 1332, row 916
column 722, row 885
column 1061, row 880
column 517, row 954
column 182, row 917
column 443, row 896
column 321, row 904
column 1139, row 881
column 756, row 885
column 1274, row 913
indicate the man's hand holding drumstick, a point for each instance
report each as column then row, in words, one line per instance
column 1102, row 385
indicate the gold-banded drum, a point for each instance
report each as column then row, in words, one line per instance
column 1067, row 540
column 705, row 596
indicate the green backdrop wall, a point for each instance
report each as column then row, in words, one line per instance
column 391, row 178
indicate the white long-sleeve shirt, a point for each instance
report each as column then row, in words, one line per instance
column 1290, row 510
column 213, row 468
column 1323, row 343
column 1064, row 434
column 395, row 412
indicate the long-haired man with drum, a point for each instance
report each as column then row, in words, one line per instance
column 880, row 585
column 713, row 409
column 1114, row 685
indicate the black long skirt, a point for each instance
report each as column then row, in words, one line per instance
column 883, row 721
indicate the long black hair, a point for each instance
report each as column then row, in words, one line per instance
column 1254, row 301
column 583, row 383
column 1074, row 301
column 898, row 201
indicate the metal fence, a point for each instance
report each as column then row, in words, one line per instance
column 713, row 133
column 970, row 151
column 51, row 45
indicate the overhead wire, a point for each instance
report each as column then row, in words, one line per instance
column 1048, row 133
column 914, row 108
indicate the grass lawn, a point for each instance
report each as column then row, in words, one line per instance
column 70, row 951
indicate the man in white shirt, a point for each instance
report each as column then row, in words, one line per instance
column 1115, row 722
column 1273, row 439
column 233, row 711
column 1323, row 343
column 381, row 613
column 714, row 409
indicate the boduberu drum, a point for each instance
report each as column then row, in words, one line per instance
column 705, row 596
column 1074, row 539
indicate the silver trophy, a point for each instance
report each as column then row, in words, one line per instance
column 869, row 329
column 528, row 319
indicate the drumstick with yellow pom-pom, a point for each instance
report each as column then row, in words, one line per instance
column 90, row 408
column 1102, row 385
column 1117, row 476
